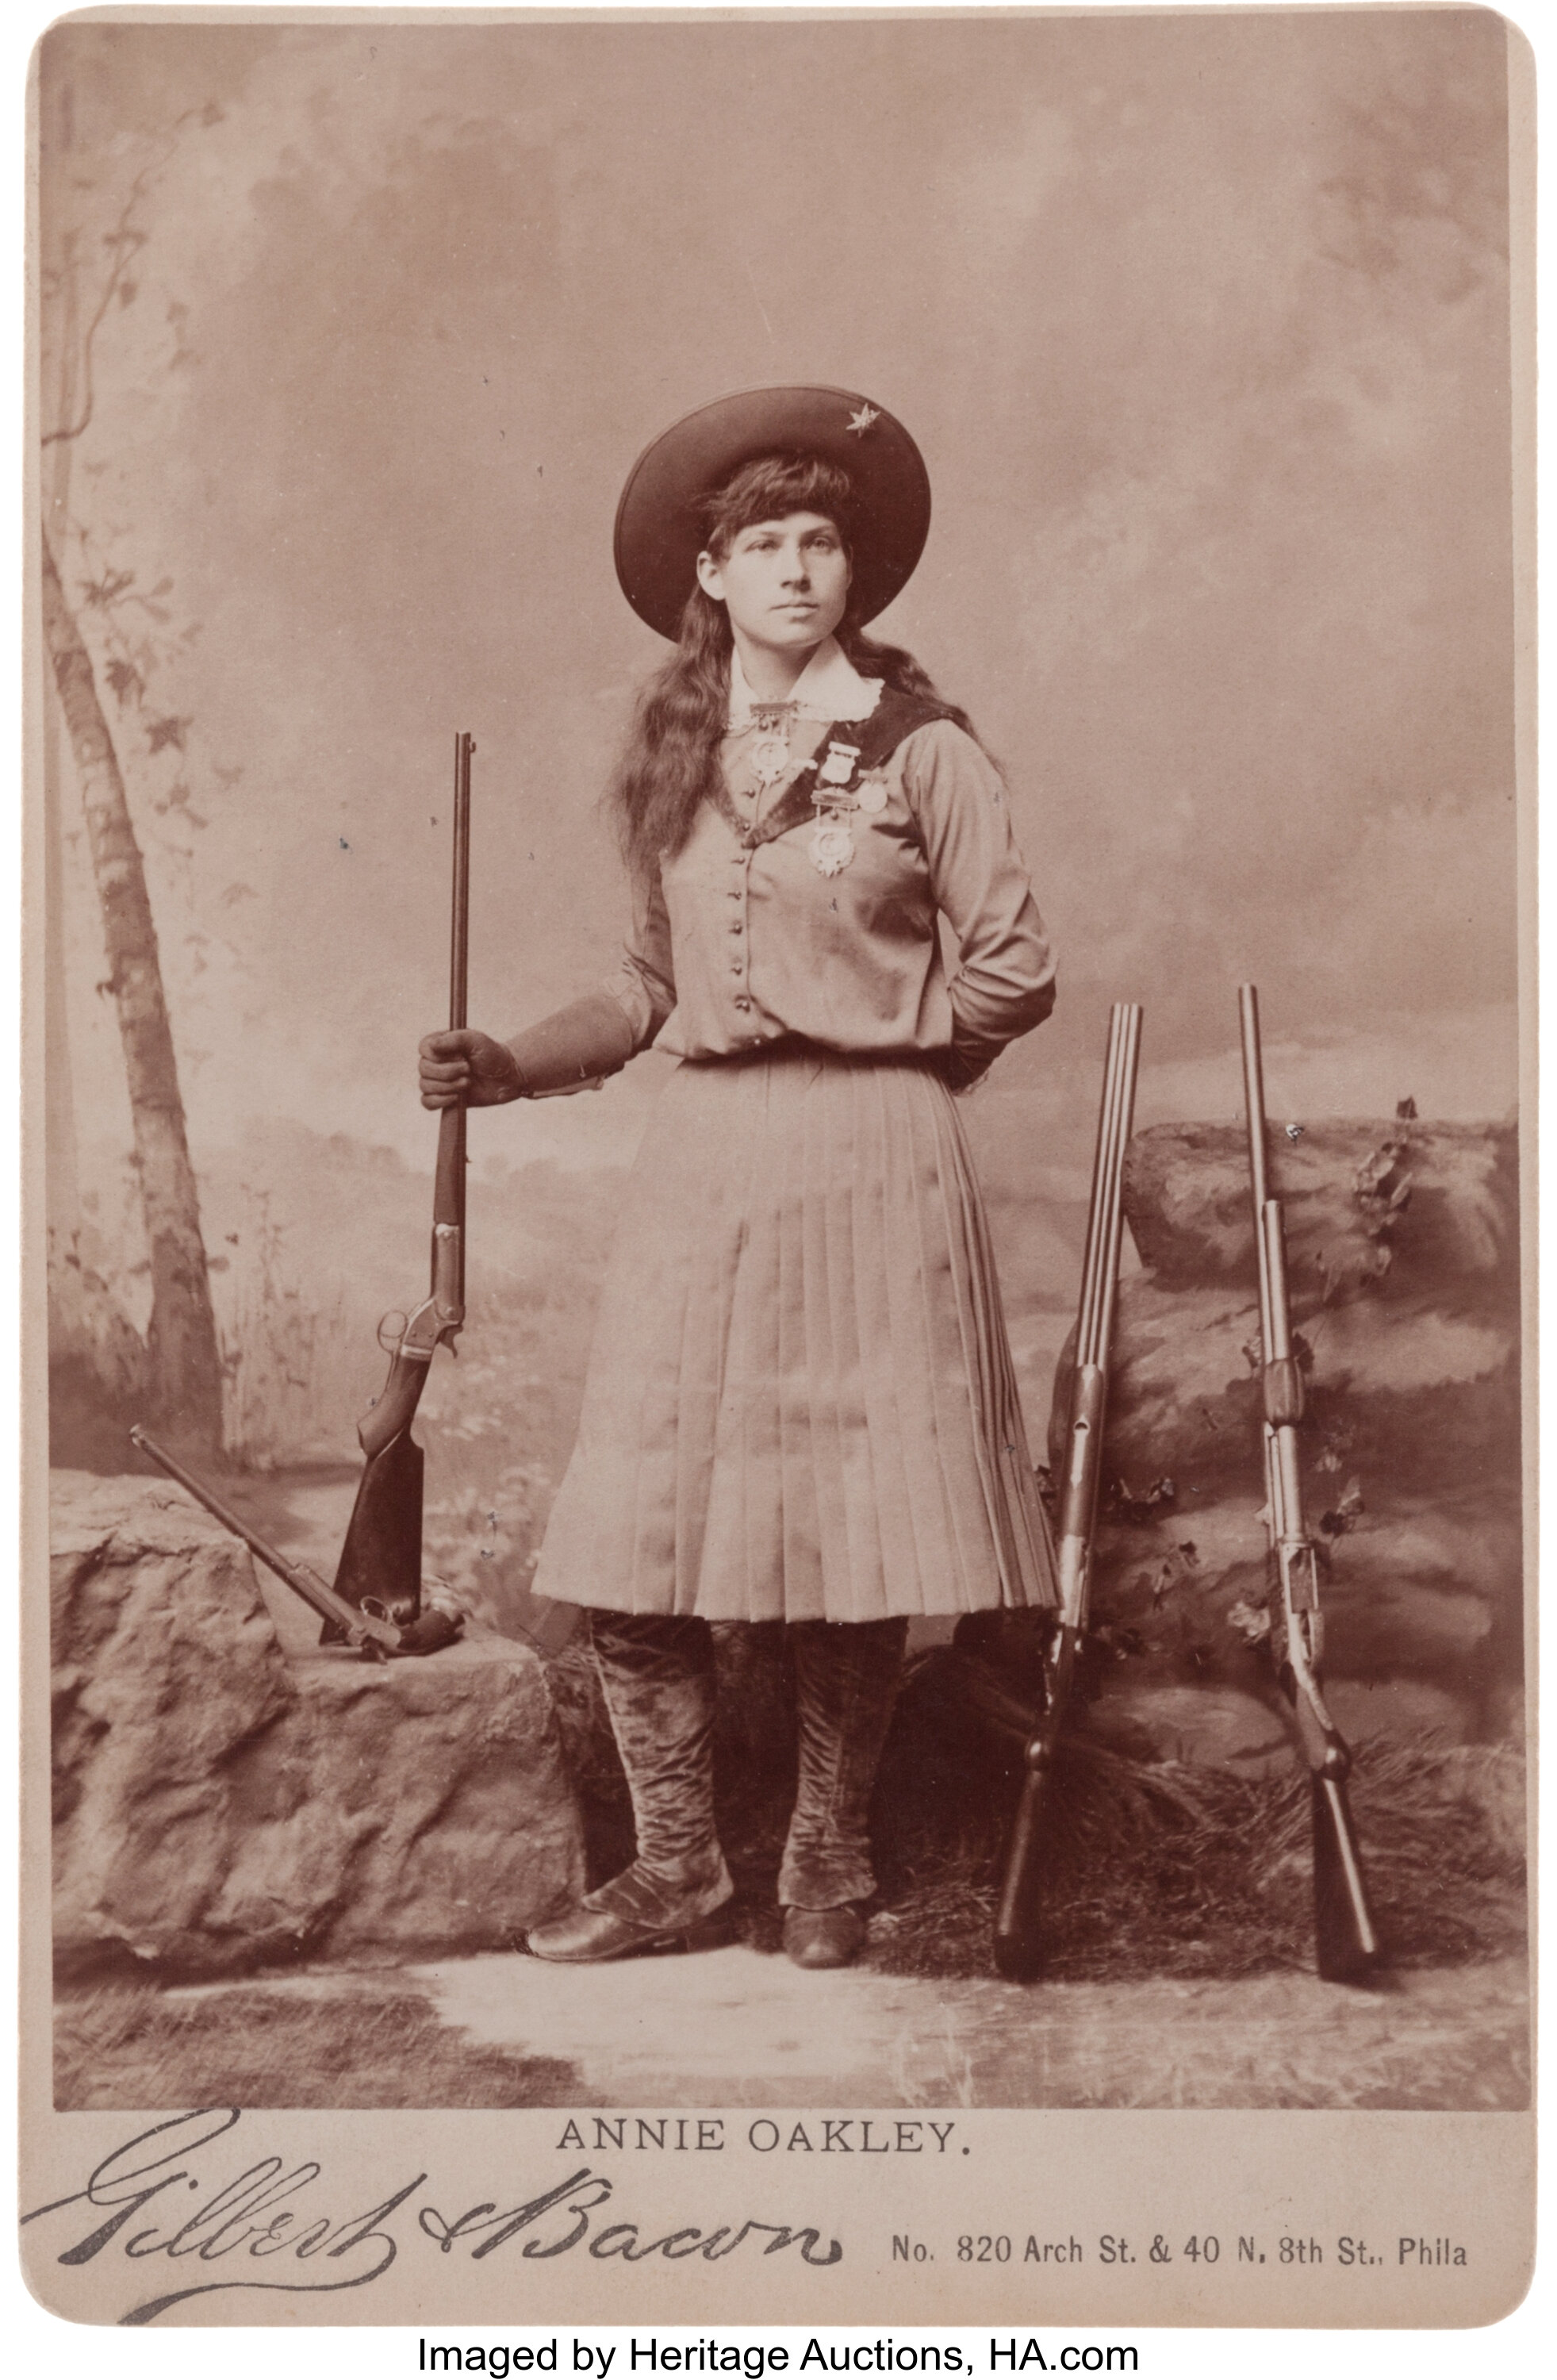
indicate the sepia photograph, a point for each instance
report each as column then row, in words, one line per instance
column 780, row 1140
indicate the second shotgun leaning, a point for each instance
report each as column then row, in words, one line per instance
column 1017, row 1923
column 1347, row 1940
column 382, row 1555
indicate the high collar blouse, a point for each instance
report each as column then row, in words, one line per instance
column 733, row 947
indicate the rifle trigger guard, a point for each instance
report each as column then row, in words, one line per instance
column 389, row 1337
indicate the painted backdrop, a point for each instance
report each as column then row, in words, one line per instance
column 1202, row 326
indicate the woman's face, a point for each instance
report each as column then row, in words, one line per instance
column 784, row 583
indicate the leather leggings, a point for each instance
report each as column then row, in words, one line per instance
column 658, row 1678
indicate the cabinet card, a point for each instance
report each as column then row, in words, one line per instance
column 1021, row 1571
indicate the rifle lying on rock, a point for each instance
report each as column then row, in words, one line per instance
column 367, row 1627
column 381, row 1558
column 1346, row 1936
column 1017, row 1947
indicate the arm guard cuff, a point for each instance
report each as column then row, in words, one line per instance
column 589, row 1038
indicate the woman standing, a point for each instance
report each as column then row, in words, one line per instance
column 801, row 1404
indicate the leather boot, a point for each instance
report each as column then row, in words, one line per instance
column 625, row 1919
column 846, row 1676
column 657, row 1679
column 824, row 1938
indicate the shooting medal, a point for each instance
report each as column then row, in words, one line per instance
column 871, row 793
column 831, row 846
column 838, row 766
column 832, row 841
column 769, row 755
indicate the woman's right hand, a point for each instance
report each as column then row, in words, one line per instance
column 464, row 1065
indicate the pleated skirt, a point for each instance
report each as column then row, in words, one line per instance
column 801, row 1402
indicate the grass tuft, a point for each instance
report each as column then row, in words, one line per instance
column 136, row 2046
column 1166, row 1869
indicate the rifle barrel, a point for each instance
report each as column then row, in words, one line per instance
column 1254, row 1109
column 1100, row 1267
column 1105, row 1215
column 1091, row 1256
column 459, row 954
column 1114, row 1220
column 313, row 1591
column 459, row 981
column 1272, row 1249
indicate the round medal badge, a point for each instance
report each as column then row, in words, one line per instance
column 770, row 756
column 832, row 846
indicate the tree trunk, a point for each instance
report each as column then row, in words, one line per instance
column 64, row 1177
column 97, row 1364
column 184, row 1366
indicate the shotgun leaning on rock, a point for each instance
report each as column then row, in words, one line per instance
column 1018, row 1935
column 366, row 1628
column 1347, row 1940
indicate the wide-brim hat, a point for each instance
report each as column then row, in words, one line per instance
column 660, row 529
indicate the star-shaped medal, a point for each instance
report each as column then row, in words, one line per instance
column 832, row 846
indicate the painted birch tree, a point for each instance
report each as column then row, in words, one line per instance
column 181, row 1376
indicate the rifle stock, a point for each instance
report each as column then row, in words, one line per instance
column 1347, row 1940
column 381, row 1557
column 1019, row 1918
column 1019, row 1949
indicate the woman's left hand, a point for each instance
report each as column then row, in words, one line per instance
column 463, row 1065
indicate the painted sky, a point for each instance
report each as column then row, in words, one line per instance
column 1201, row 322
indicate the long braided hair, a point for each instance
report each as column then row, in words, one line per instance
column 670, row 762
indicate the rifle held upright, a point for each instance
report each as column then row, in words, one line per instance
column 381, row 1558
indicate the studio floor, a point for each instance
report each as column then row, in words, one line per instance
column 736, row 2028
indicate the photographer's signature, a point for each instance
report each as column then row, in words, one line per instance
column 270, row 2215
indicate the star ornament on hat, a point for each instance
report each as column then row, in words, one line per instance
column 659, row 530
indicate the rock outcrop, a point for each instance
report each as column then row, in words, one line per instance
column 218, row 1806
column 1403, row 1262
